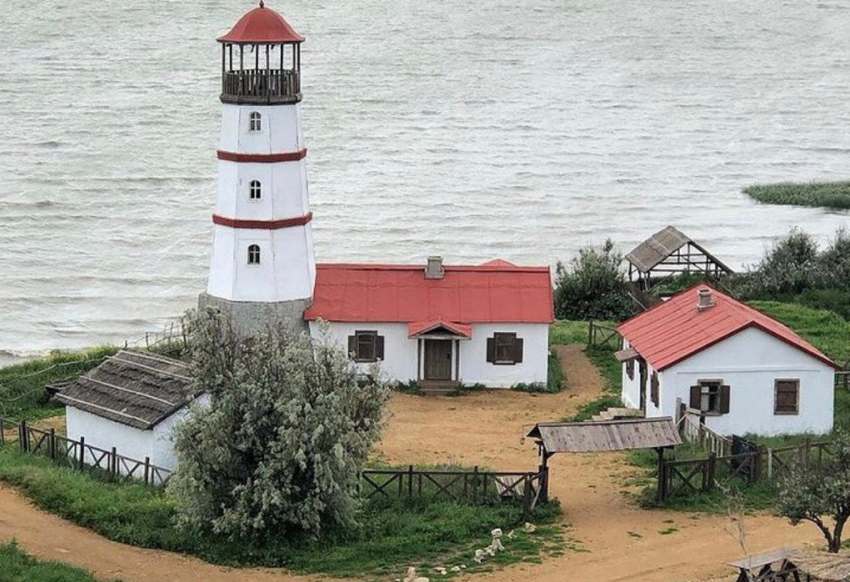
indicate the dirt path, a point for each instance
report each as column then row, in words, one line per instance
column 622, row 542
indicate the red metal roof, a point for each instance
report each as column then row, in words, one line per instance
column 261, row 25
column 674, row 330
column 488, row 293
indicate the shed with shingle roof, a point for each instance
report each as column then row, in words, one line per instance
column 132, row 401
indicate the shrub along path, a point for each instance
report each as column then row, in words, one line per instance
column 622, row 541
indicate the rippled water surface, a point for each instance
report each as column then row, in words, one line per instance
column 521, row 130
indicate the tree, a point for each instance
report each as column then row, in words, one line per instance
column 280, row 445
column 790, row 266
column 594, row 286
column 834, row 261
column 818, row 493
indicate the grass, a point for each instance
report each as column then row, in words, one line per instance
column 16, row 566
column 22, row 395
column 827, row 331
column 393, row 534
column 820, row 194
column 564, row 332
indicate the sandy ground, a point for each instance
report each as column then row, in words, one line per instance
column 620, row 541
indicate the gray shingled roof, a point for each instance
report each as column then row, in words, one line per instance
column 661, row 245
column 133, row 388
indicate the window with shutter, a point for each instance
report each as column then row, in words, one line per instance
column 786, row 397
column 710, row 397
column 366, row 346
column 504, row 349
column 653, row 388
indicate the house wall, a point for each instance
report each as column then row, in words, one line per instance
column 749, row 362
column 400, row 357
column 162, row 442
column 630, row 386
column 104, row 434
column 474, row 367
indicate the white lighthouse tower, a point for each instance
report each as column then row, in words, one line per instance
column 262, row 266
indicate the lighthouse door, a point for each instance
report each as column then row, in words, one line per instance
column 438, row 360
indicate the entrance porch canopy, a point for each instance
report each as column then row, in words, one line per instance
column 437, row 328
column 606, row 435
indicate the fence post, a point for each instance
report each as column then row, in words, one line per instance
column 24, row 440
column 2, row 432
column 660, row 491
column 475, row 484
column 410, row 481
column 52, row 444
column 769, row 464
column 148, row 470
column 709, row 473
column 590, row 333
column 114, row 459
column 82, row 452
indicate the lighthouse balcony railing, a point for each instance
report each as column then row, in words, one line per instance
column 263, row 86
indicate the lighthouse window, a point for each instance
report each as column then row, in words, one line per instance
column 254, row 255
column 255, row 190
column 256, row 121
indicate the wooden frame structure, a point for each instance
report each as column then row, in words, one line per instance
column 601, row 436
column 668, row 252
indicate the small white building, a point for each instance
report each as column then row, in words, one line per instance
column 736, row 368
column 440, row 325
column 132, row 402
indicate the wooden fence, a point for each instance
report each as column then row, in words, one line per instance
column 599, row 335
column 468, row 486
column 696, row 432
column 842, row 380
column 682, row 477
column 79, row 455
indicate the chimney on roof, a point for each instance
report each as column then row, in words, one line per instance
column 704, row 299
column 434, row 268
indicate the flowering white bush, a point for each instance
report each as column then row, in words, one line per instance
column 280, row 445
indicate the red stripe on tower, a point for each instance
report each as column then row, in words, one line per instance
column 263, row 224
column 262, row 158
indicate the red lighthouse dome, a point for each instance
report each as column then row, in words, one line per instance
column 262, row 26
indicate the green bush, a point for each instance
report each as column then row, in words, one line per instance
column 16, row 566
column 593, row 287
column 821, row 194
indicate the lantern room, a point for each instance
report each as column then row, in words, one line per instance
column 261, row 60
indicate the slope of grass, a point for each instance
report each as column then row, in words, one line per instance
column 394, row 533
column 22, row 395
column 827, row 331
column 16, row 566
column 821, row 194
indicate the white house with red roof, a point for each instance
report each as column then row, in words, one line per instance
column 484, row 324
column 737, row 368
column 439, row 324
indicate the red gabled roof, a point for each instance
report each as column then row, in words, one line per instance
column 675, row 330
column 489, row 293
column 261, row 25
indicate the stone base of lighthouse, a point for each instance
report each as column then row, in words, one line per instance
column 253, row 318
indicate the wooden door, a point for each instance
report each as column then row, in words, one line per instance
column 438, row 360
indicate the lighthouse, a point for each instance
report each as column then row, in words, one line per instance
column 262, row 267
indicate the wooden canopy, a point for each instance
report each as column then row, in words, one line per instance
column 670, row 251
column 608, row 435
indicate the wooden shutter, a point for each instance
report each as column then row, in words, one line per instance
column 724, row 400
column 695, row 397
column 352, row 346
column 491, row 349
column 518, row 350
column 630, row 369
column 653, row 388
column 379, row 347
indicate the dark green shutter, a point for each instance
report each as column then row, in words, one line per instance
column 352, row 346
column 379, row 347
column 695, row 397
column 724, row 400
column 518, row 350
column 491, row 349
